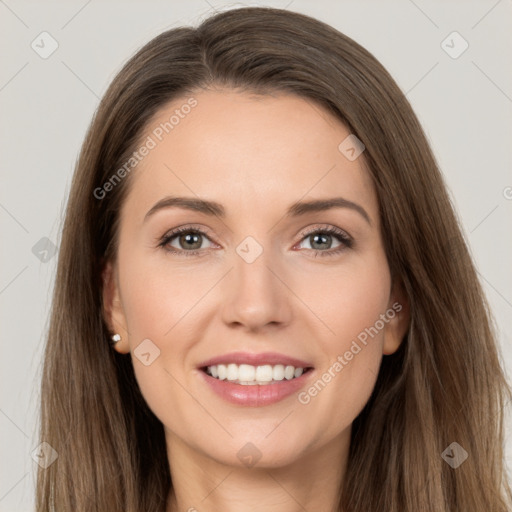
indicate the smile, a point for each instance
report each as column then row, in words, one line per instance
column 258, row 391
column 249, row 375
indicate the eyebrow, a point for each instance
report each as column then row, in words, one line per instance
column 295, row 210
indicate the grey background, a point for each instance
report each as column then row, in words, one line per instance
column 464, row 104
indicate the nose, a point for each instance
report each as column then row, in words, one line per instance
column 255, row 290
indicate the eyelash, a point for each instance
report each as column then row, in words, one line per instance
column 346, row 241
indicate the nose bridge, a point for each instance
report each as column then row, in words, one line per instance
column 252, row 262
column 256, row 295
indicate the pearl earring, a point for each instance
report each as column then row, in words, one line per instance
column 115, row 338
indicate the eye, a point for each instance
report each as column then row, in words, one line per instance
column 186, row 241
column 320, row 241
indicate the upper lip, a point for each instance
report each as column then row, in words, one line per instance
column 260, row 359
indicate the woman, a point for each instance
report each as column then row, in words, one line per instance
column 252, row 370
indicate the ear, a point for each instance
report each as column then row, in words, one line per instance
column 112, row 309
column 399, row 317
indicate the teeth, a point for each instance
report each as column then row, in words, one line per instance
column 264, row 373
column 222, row 371
column 232, row 372
column 249, row 375
column 246, row 372
column 278, row 372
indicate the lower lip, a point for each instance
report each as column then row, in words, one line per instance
column 255, row 395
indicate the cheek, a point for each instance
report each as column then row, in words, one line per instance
column 156, row 310
column 154, row 303
column 352, row 349
column 352, row 299
column 156, row 299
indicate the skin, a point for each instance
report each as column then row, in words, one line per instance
column 256, row 156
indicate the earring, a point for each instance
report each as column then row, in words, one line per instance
column 115, row 338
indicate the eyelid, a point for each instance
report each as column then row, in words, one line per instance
column 329, row 228
column 307, row 231
column 187, row 227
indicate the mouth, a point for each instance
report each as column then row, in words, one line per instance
column 252, row 385
column 251, row 375
column 255, row 380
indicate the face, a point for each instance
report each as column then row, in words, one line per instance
column 256, row 275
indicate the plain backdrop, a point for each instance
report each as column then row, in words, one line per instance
column 464, row 103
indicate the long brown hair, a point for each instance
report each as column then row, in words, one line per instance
column 445, row 383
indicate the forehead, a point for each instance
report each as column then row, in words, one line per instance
column 247, row 152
